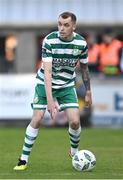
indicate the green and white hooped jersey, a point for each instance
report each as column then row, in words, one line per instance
column 64, row 56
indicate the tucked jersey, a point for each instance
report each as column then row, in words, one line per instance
column 64, row 56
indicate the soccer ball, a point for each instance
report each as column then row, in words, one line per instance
column 84, row 160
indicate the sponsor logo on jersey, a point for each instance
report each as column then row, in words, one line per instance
column 64, row 62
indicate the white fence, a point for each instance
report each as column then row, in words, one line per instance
column 108, row 104
column 17, row 91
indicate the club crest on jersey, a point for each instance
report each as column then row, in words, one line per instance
column 75, row 52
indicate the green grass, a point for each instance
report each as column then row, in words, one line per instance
column 49, row 158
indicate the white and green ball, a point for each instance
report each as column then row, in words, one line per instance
column 84, row 160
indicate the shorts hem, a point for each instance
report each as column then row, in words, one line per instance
column 63, row 108
column 39, row 108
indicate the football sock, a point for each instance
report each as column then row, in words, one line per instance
column 74, row 139
column 29, row 140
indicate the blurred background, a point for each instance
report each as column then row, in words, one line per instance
column 24, row 24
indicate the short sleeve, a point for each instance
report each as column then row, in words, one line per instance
column 84, row 55
column 46, row 51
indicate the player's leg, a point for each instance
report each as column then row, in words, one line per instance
column 30, row 137
column 74, row 128
column 39, row 106
column 31, row 133
column 68, row 101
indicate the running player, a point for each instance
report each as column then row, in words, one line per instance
column 61, row 50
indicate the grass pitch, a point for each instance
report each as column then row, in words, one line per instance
column 49, row 157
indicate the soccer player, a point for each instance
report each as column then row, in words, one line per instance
column 61, row 50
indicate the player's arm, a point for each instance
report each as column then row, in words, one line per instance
column 47, row 64
column 47, row 79
column 85, row 75
column 86, row 81
column 48, row 88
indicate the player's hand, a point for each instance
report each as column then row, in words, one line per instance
column 88, row 99
column 52, row 109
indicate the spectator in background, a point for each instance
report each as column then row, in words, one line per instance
column 10, row 48
column 110, row 54
column 121, row 62
column 39, row 52
column 2, row 53
column 93, row 52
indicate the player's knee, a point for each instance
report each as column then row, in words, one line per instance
column 36, row 119
column 75, row 124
